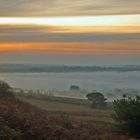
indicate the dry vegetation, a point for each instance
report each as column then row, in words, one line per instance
column 31, row 123
column 20, row 120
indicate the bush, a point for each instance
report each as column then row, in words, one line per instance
column 7, row 133
column 127, row 114
column 5, row 90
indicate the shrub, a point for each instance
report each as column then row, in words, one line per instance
column 5, row 90
column 7, row 133
column 127, row 114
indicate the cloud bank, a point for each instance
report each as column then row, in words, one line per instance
column 27, row 8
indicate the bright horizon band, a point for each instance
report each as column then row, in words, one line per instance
column 117, row 20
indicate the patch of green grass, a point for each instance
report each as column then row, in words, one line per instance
column 77, row 111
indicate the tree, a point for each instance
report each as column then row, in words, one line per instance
column 5, row 90
column 97, row 99
column 127, row 115
column 74, row 88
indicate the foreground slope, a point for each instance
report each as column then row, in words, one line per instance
column 22, row 121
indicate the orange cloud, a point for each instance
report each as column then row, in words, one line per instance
column 95, row 48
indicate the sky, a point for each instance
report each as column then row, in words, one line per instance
column 61, row 31
column 49, row 8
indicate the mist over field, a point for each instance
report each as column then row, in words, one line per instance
column 57, row 79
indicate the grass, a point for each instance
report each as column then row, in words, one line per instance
column 22, row 121
column 76, row 111
column 53, row 118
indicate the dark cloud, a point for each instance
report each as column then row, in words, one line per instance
column 67, row 7
column 47, row 34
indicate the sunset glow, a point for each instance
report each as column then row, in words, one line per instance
column 103, row 48
column 118, row 20
column 65, row 29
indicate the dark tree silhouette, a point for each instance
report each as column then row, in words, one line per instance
column 127, row 115
column 97, row 99
column 5, row 90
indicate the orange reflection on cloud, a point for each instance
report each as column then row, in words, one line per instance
column 95, row 48
column 95, row 29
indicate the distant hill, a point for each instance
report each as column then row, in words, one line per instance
column 63, row 68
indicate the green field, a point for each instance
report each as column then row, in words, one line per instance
column 73, row 108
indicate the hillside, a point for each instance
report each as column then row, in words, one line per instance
column 23, row 121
